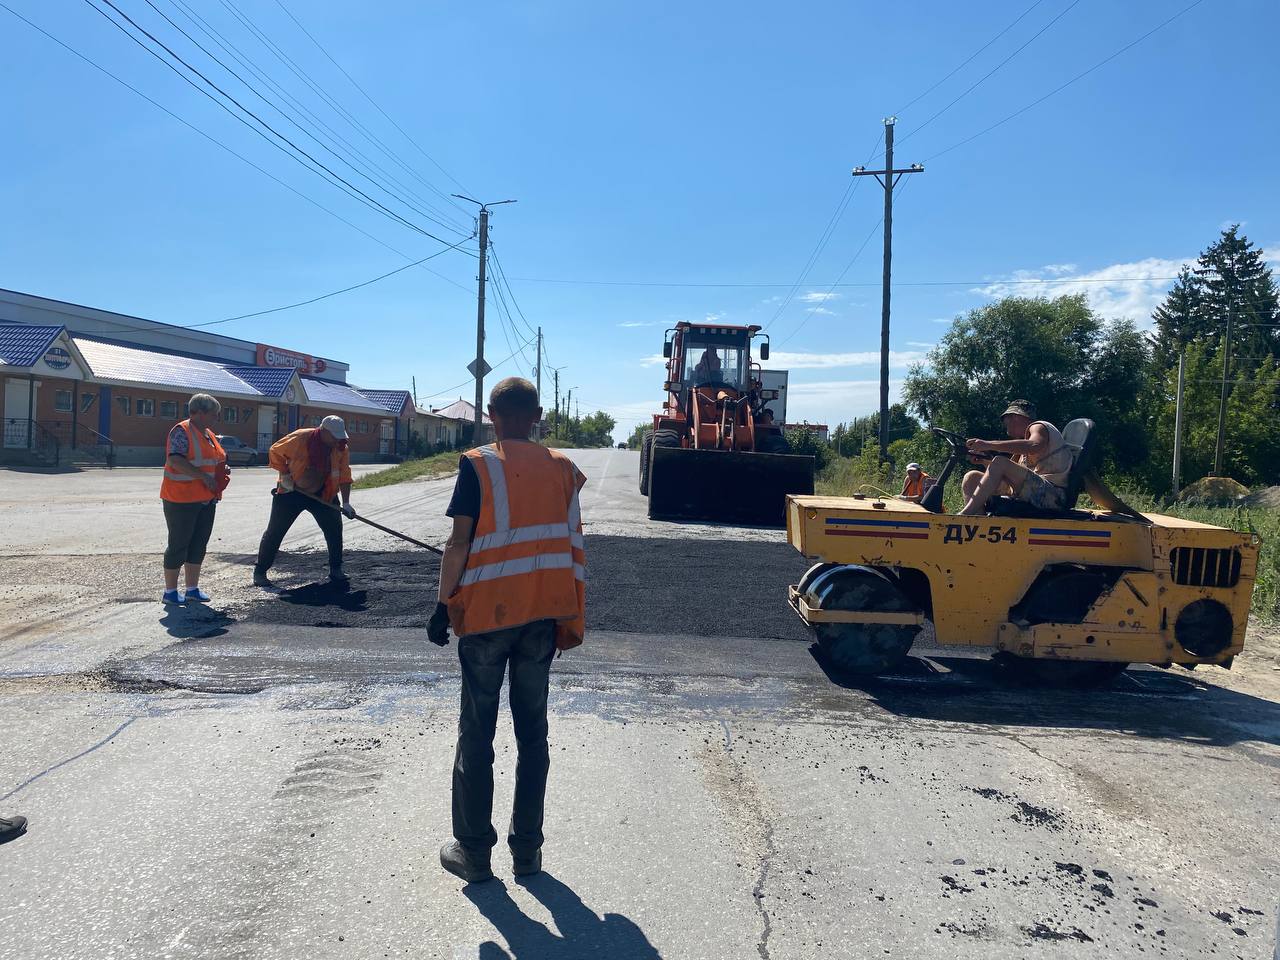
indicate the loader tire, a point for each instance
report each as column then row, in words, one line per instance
column 645, row 445
column 658, row 438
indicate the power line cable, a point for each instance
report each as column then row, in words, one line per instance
column 218, row 143
column 366, row 95
column 920, row 96
column 326, row 296
column 824, row 238
column 502, row 276
column 306, row 78
column 302, row 129
column 232, row 50
column 1079, row 76
column 344, row 184
column 471, row 380
column 986, row 76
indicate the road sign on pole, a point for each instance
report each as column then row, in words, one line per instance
column 471, row 368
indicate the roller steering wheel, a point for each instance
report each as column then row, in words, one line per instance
column 955, row 441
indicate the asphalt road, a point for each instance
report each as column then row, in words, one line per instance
column 268, row 776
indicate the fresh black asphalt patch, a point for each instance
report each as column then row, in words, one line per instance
column 714, row 588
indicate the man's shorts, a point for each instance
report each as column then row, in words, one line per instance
column 1039, row 492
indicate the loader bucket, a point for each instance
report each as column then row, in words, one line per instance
column 724, row 487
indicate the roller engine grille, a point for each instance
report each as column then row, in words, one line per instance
column 1205, row 566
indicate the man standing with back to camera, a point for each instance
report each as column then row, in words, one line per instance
column 512, row 588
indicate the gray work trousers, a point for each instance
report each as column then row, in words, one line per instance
column 526, row 652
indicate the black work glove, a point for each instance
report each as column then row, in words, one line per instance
column 438, row 625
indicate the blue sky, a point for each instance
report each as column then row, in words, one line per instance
column 687, row 144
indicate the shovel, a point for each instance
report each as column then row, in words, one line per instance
column 395, row 533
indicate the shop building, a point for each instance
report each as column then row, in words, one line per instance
column 92, row 386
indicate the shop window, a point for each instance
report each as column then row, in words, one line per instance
column 86, row 401
column 169, row 409
column 125, row 405
column 62, row 401
column 246, row 414
column 230, row 415
column 146, row 407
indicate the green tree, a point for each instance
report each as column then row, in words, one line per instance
column 637, row 434
column 848, row 438
column 594, row 430
column 1056, row 353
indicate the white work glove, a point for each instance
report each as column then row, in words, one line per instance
column 286, row 483
column 348, row 511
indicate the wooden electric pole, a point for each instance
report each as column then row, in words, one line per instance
column 480, row 368
column 888, row 178
column 537, row 370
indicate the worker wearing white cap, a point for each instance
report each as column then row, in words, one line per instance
column 315, row 467
column 914, row 486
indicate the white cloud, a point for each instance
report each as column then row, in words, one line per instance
column 641, row 323
column 822, row 310
column 1129, row 290
column 942, row 319
column 714, row 317
column 836, row 401
column 799, row 360
column 653, row 360
column 814, row 296
column 922, row 346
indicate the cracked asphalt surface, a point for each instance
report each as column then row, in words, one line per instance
column 268, row 776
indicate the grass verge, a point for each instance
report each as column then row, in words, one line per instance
column 436, row 465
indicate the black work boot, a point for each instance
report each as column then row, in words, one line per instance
column 527, row 866
column 336, row 575
column 458, row 862
column 260, row 579
column 11, row 828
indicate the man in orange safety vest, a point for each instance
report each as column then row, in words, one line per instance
column 512, row 588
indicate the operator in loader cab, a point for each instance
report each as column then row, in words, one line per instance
column 708, row 368
column 1035, row 465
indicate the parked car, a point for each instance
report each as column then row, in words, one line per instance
column 239, row 453
column 622, row 446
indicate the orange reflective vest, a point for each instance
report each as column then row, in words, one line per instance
column 916, row 487
column 288, row 456
column 204, row 451
column 527, row 561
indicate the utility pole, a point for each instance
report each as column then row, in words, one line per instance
column 538, row 375
column 480, row 367
column 888, row 178
column 1177, row 424
column 555, row 428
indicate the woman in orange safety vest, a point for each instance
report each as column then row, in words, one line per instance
column 195, row 474
column 512, row 587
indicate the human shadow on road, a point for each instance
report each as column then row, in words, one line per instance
column 1143, row 701
column 194, row 622
column 582, row 934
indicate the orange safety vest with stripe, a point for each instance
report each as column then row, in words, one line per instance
column 914, row 487
column 527, row 561
column 203, row 451
column 288, row 456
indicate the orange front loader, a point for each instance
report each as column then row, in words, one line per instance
column 714, row 452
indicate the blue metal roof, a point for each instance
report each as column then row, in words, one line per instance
column 269, row 381
column 23, row 344
column 393, row 400
column 322, row 392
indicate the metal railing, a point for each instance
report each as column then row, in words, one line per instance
column 82, row 442
column 23, row 433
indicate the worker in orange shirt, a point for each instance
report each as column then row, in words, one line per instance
column 916, row 483
column 314, row 467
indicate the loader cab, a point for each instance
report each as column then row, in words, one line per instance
column 711, row 355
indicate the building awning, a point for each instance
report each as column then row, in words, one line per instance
column 117, row 363
column 326, row 393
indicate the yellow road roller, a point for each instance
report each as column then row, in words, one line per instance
column 1067, row 596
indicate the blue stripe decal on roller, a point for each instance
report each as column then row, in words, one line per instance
column 1050, row 532
column 879, row 523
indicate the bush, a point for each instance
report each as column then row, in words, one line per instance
column 805, row 443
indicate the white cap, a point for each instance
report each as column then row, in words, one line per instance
column 910, row 466
column 335, row 426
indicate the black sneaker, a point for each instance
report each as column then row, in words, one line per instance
column 260, row 579
column 527, row 866
column 458, row 862
column 11, row 828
